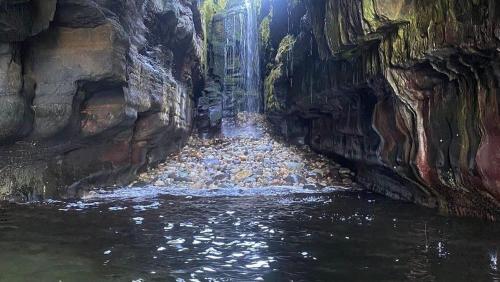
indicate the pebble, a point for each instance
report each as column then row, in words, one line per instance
column 248, row 161
column 159, row 183
column 242, row 175
column 345, row 171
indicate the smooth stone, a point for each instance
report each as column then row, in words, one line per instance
column 294, row 165
column 159, row 183
column 241, row 175
column 293, row 179
column 221, row 176
column 310, row 187
column 344, row 171
column 211, row 162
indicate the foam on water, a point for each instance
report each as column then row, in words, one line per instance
column 151, row 191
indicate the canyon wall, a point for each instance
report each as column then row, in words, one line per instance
column 404, row 91
column 91, row 91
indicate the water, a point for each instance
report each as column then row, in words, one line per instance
column 252, row 59
column 254, row 126
column 272, row 234
column 242, row 79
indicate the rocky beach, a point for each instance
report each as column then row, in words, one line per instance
column 247, row 155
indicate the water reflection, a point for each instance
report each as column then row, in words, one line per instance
column 494, row 260
column 268, row 236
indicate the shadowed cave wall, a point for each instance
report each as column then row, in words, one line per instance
column 91, row 91
column 404, row 91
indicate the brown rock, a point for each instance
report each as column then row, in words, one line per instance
column 242, row 175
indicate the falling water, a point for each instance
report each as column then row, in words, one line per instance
column 252, row 59
column 241, row 60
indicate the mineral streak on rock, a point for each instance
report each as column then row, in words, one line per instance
column 92, row 91
column 405, row 90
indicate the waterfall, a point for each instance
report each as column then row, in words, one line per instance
column 241, row 60
column 252, row 59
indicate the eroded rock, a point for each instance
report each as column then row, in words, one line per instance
column 96, row 90
column 406, row 90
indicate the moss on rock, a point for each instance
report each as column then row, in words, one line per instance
column 265, row 31
column 275, row 82
column 208, row 9
column 406, row 87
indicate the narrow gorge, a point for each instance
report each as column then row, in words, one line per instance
column 243, row 140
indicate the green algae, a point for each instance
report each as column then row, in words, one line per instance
column 265, row 31
column 277, row 73
column 208, row 9
column 285, row 47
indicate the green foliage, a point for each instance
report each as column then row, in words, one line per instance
column 208, row 9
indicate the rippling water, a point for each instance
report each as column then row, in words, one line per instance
column 234, row 235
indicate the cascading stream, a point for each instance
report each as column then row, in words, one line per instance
column 242, row 80
column 252, row 62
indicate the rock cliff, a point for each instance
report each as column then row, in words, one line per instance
column 91, row 91
column 404, row 91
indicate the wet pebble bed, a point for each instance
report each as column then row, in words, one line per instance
column 247, row 155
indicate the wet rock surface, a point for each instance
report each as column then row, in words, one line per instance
column 92, row 91
column 406, row 90
column 209, row 111
column 239, row 158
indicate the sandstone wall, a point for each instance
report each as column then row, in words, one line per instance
column 406, row 91
column 91, row 91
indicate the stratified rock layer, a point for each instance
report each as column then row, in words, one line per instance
column 92, row 90
column 407, row 91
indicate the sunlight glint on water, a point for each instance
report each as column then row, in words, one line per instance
column 144, row 236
